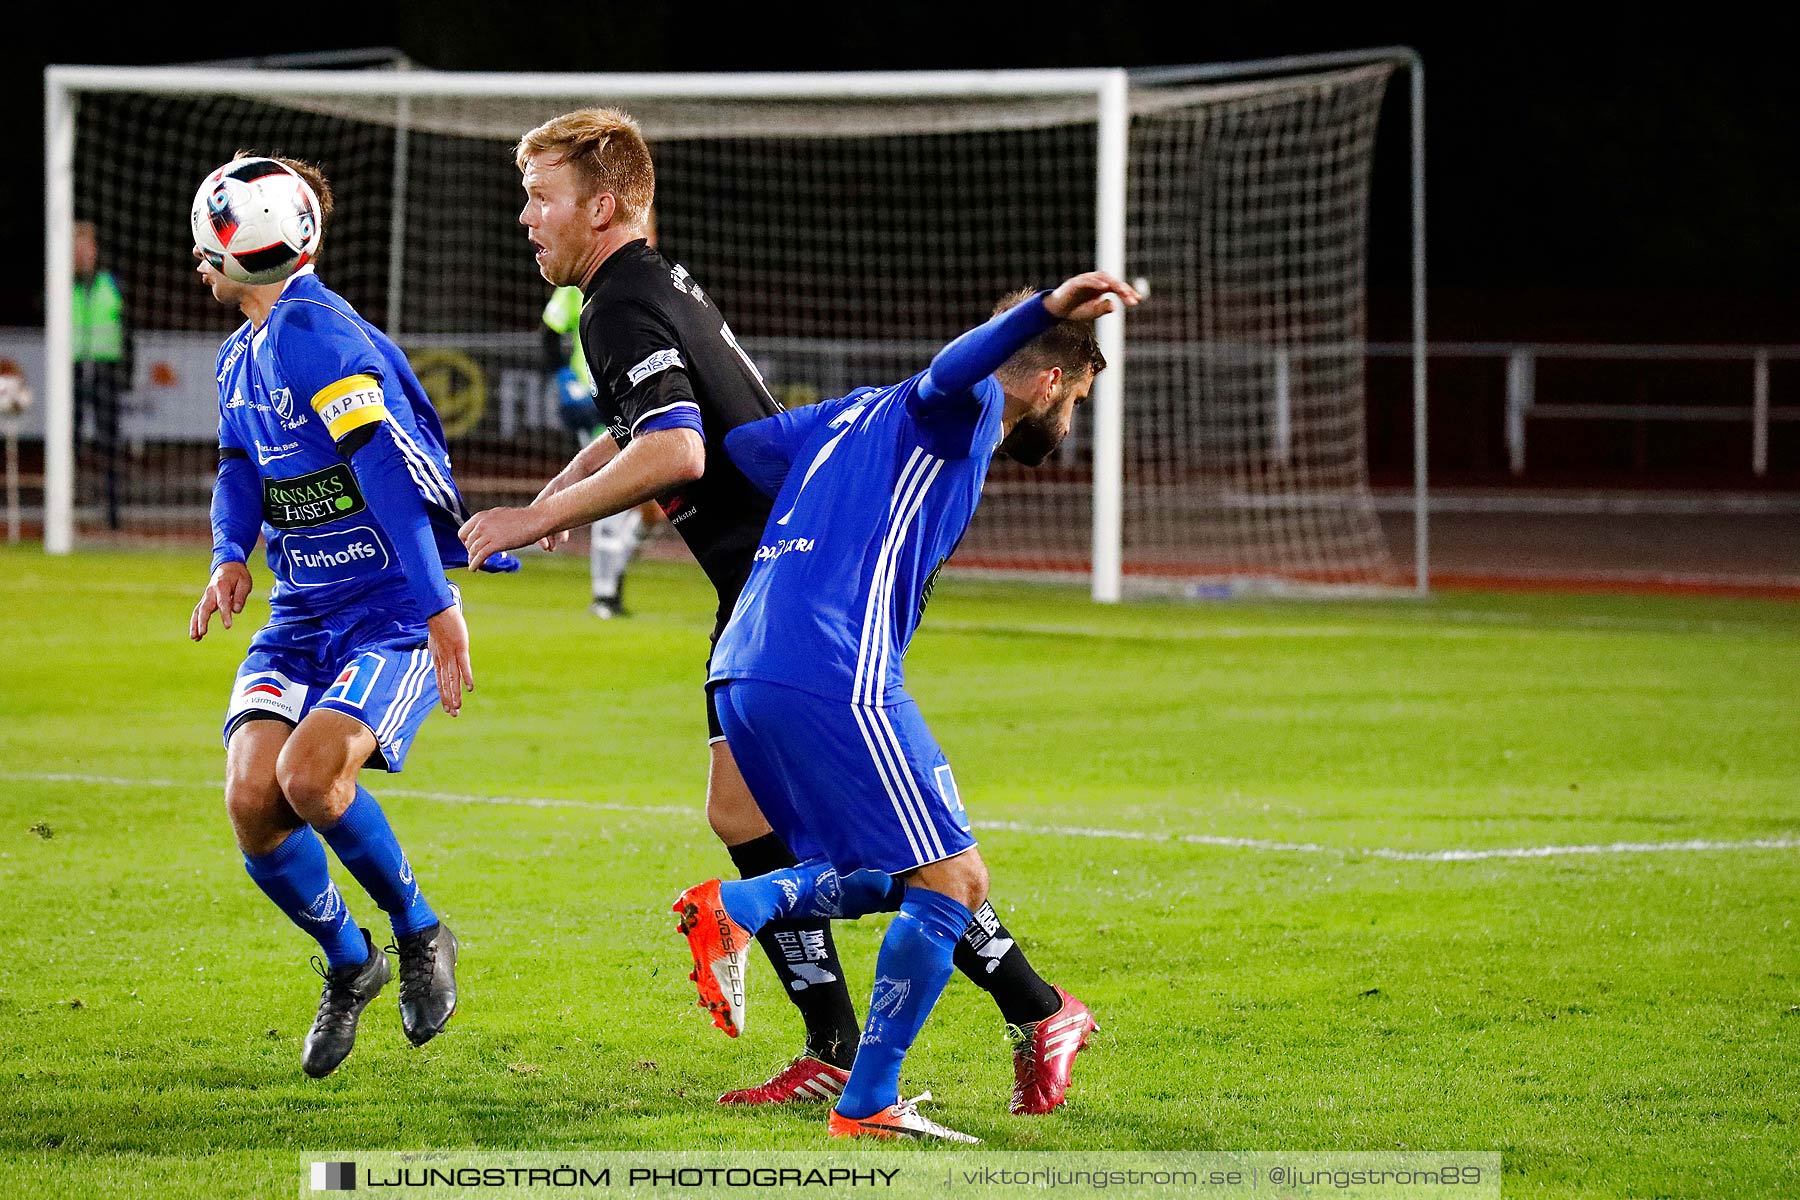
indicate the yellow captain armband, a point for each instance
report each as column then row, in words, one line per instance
column 349, row 404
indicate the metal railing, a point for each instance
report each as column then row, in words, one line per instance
column 1522, row 404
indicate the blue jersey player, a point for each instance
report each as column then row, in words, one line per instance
column 873, row 492
column 330, row 450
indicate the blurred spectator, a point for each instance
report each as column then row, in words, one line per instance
column 101, row 352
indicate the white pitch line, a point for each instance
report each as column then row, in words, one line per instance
column 1265, row 844
column 1209, row 633
column 1692, row 845
column 408, row 793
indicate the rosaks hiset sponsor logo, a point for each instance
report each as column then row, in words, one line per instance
column 303, row 501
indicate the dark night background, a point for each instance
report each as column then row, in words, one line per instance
column 1589, row 177
column 1593, row 175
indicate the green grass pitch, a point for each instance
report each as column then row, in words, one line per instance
column 1215, row 823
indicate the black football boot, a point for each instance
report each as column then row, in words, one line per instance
column 348, row 991
column 427, row 982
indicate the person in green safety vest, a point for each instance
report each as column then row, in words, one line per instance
column 612, row 541
column 101, row 354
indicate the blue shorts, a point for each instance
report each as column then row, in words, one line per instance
column 865, row 786
column 370, row 666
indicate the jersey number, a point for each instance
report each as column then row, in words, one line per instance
column 731, row 340
column 847, row 418
column 354, row 683
column 946, row 785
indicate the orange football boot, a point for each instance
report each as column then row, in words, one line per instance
column 720, row 948
column 898, row 1120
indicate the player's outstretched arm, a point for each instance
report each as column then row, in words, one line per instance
column 955, row 371
column 654, row 463
column 587, row 461
column 980, row 352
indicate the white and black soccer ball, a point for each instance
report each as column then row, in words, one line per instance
column 256, row 221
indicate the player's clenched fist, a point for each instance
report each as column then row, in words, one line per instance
column 225, row 594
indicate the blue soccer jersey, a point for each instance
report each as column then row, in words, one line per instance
column 875, row 491
column 297, row 397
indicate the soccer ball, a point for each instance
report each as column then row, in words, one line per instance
column 15, row 394
column 256, row 221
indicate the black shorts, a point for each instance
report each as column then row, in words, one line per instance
column 715, row 732
column 728, row 588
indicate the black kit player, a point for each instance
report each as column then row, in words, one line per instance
column 672, row 381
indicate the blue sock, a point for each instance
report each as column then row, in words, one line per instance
column 863, row 892
column 811, row 889
column 365, row 844
column 295, row 877
column 910, row 974
column 755, row 902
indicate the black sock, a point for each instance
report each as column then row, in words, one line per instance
column 987, row 955
column 805, row 960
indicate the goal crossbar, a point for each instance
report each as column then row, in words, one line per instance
column 1104, row 95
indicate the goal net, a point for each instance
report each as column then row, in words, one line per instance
column 846, row 236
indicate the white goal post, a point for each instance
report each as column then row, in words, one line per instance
column 847, row 223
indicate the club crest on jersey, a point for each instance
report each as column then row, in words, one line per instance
column 284, row 403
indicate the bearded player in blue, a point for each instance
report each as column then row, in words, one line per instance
column 330, row 449
column 873, row 493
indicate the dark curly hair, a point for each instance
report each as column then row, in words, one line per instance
column 1071, row 345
